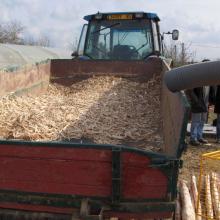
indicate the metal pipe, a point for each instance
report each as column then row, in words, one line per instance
column 192, row 76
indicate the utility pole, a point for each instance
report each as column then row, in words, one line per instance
column 182, row 54
column 175, row 54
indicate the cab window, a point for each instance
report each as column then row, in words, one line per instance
column 119, row 39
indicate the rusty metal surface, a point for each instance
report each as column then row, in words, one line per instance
column 67, row 72
column 174, row 112
column 30, row 79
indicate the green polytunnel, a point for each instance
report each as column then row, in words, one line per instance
column 13, row 56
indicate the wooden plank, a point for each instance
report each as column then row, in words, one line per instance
column 56, row 176
column 36, row 208
column 131, row 159
column 56, row 152
column 141, row 181
column 78, row 171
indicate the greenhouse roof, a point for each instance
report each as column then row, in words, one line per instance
column 12, row 55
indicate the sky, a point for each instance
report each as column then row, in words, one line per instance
column 197, row 21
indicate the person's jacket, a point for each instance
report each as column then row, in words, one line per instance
column 197, row 100
column 217, row 100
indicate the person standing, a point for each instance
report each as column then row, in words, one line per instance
column 199, row 107
column 217, row 111
column 199, row 99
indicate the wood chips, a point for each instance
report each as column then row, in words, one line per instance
column 103, row 110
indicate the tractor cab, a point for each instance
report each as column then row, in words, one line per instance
column 120, row 36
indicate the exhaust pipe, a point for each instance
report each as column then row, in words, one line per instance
column 192, row 76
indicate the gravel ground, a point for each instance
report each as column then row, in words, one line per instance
column 191, row 158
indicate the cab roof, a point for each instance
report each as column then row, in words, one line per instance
column 147, row 15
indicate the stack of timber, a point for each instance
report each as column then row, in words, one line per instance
column 199, row 201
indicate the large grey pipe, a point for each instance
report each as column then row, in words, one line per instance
column 192, row 76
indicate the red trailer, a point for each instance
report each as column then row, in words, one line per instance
column 88, row 180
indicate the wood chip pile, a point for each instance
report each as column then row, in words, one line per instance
column 193, row 204
column 104, row 110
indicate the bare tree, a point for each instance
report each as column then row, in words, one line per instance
column 42, row 41
column 11, row 33
column 29, row 41
column 73, row 45
column 2, row 34
column 181, row 54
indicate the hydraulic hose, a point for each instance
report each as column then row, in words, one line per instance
column 192, row 76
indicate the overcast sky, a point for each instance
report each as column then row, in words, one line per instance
column 197, row 21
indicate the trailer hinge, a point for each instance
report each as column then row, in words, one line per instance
column 158, row 163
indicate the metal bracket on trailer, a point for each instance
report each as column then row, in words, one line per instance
column 116, row 175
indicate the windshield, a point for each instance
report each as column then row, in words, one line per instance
column 119, row 39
